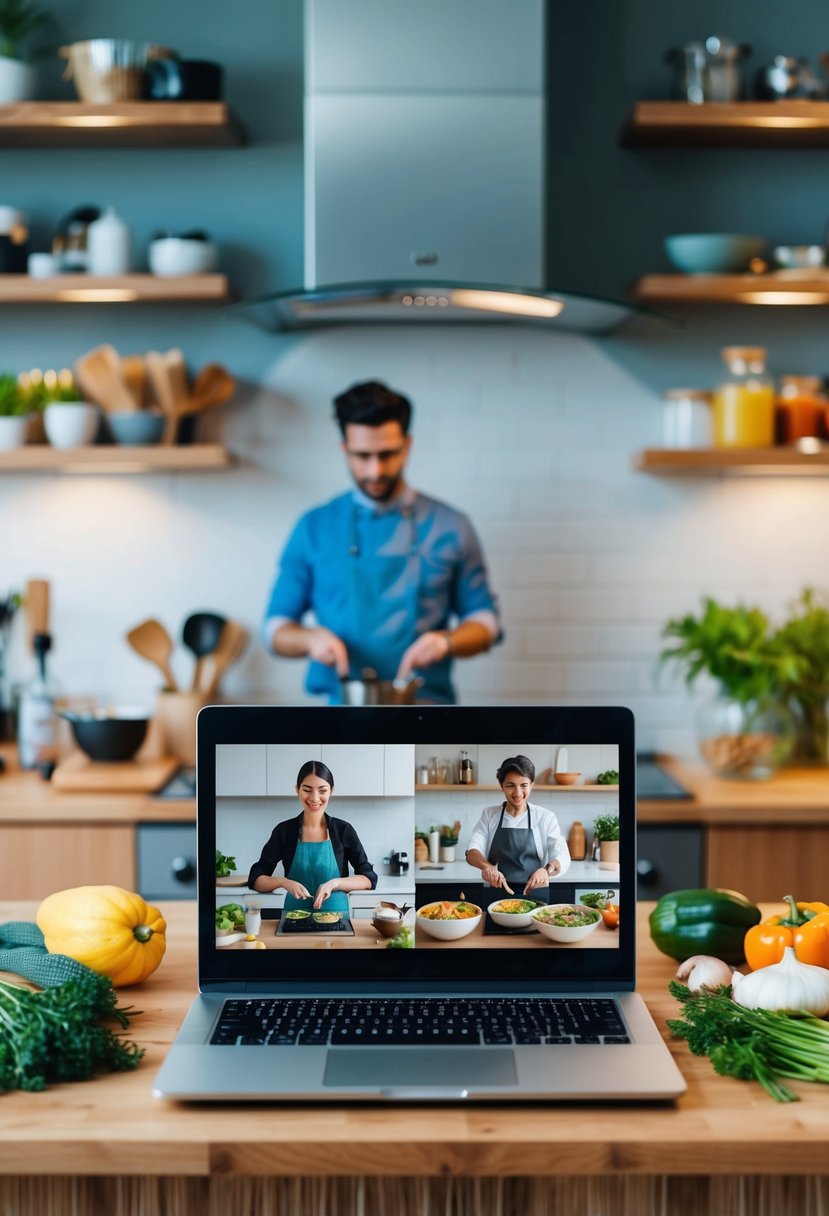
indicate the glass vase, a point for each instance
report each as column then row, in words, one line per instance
column 812, row 732
column 745, row 740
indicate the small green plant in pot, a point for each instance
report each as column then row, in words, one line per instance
column 23, row 26
column 14, row 413
column 606, row 831
column 449, row 837
column 746, row 731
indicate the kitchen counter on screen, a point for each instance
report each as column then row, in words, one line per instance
column 73, row 1146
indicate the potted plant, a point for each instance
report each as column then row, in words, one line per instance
column 804, row 679
column 14, row 413
column 606, row 831
column 69, row 421
column 746, row 730
column 20, row 20
column 448, row 839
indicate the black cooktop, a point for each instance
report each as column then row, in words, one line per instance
column 309, row 926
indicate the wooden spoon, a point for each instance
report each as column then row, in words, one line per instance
column 231, row 646
column 36, row 600
column 152, row 641
column 101, row 378
column 168, row 376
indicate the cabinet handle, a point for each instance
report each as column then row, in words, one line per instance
column 184, row 870
column 647, row 872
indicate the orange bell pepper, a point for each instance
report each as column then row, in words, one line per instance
column 610, row 916
column 804, row 926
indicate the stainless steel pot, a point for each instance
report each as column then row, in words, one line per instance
column 371, row 691
column 709, row 70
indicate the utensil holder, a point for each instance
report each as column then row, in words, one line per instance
column 176, row 714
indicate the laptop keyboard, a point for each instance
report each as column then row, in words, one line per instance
column 434, row 1021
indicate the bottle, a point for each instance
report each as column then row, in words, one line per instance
column 422, row 776
column 434, row 844
column 37, row 720
column 801, row 409
column 686, row 418
column 108, row 245
column 744, row 400
column 433, row 771
column 466, row 775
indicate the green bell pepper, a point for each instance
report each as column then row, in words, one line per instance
column 703, row 921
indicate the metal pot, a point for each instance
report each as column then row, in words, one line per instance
column 371, row 691
column 709, row 70
column 788, row 77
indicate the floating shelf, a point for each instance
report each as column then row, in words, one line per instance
column 708, row 462
column 114, row 458
column 800, row 287
column 156, row 124
column 436, row 788
column 123, row 289
column 747, row 124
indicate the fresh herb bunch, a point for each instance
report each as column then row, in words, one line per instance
column 606, row 827
column 804, row 637
column 19, row 21
column 224, row 865
column 752, row 1044
column 609, row 777
column 13, row 402
column 56, row 1035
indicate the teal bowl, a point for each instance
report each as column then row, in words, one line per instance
column 135, row 429
column 713, row 252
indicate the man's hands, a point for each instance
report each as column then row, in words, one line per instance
column 425, row 651
column 326, row 648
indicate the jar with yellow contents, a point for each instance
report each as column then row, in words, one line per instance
column 743, row 415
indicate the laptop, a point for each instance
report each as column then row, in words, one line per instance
column 329, row 1003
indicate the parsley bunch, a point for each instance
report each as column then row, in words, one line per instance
column 56, row 1035
column 752, row 1044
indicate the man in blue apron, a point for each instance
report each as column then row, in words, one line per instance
column 396, row 580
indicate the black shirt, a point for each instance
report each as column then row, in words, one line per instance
column 281, row 846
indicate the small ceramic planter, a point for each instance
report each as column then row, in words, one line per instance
column 447, row 852
column 71, row 424
column 608, row 854
column 17, row 80
column 13, row 430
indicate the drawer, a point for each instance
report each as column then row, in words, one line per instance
column 668, row 858
column 166, row 860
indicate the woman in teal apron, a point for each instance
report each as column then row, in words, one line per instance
column 317, row 852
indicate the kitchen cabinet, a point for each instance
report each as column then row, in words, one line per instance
column 770, row 862
column 361, row 770
column 284, row 762
column 166, row 860
column 139, row 124
column 669, row 857
column 241, row 770
column 398, row 770
column 45, row 857
column 357, row 769
column 585, row 788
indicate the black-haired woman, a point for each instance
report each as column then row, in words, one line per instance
column 316, row 851
column 518, row 844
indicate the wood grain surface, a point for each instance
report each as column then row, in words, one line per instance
column 114, row 1126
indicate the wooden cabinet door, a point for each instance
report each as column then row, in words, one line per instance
column 41, row 859
column 766, row 863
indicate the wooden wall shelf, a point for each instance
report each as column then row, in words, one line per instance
column 437, row 788
column 746, row 124
column 123, row 289
column 115, row 458
column 793, row 287
column 708, row 462
column 157, row 124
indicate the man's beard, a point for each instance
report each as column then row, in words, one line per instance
column 382, row 488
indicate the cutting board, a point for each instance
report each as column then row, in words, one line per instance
column 232, row 880
column 78, row 774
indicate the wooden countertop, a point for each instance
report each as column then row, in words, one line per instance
column 114, row 1126
column 803, row 794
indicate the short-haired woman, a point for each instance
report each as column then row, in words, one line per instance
column 316, row 851
column 518, row 844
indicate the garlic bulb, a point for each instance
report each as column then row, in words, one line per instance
column 703, row 971
column 786, row 987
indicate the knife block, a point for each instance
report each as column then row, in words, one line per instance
column 176, row 717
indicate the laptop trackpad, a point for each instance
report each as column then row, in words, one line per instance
column 419, row 1067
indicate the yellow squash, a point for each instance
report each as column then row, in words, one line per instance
column 110, row 930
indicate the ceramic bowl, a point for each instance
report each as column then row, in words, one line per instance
column 448, row 930
column 513, row 920
column 799, row 257
column 387, row 926
column 137, row 427
column 169, row 256
column 108, row 734
column 566, row 933
column 566, row 778
column 713, row 252
column 71, row 424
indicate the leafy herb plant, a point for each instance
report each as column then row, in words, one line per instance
column 224, row 865
column 606, row 827
column 804, row 638
column 20, row 21
column 13, row 403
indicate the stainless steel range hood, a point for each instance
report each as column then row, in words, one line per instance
column 424, row 170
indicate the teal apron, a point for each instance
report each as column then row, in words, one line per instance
column 314, row 863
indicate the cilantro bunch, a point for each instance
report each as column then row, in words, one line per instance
column 58, row 1035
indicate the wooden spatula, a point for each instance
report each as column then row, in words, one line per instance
column 36, row 600
column 100, row 377
column 232, row 642
column 167, row 386
column 152, row 641
column 134, row 371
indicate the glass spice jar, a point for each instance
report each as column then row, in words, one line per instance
column 744, row 400
column 686, row 418
column 800, row 411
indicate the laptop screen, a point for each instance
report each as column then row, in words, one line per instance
column 417, row 843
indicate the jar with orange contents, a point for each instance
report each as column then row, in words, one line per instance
column 743, row 415
column 801, row 408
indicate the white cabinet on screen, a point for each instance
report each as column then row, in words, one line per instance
column 241, row 769
column 284, row 762
column 398, row 770
column 357, row 768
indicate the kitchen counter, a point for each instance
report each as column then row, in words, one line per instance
column 600, row 1157
column 366, row 937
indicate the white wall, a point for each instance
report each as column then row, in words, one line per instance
column 530, row 432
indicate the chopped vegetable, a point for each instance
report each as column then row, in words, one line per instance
column 752, row 1045
column 788, row 987
column 404, row 940
column 803, row 926
column 56, row 1035
column 231, row 912
column 703, row 971
column 224, row 865
column 593, row 899
column 610, row 916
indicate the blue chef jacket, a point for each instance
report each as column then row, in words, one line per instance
column 378, row 576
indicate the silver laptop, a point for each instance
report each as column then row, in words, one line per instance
column 412, row 983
